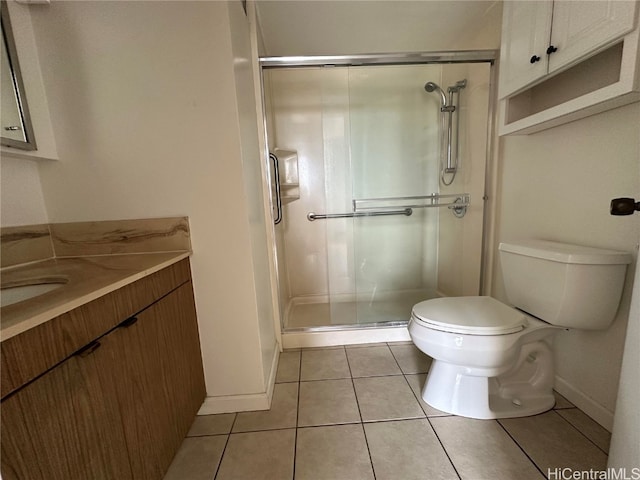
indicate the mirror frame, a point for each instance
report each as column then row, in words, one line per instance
column 7, row 32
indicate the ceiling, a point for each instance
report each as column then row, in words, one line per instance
column 343, row 27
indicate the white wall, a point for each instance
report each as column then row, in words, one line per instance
column 149, row 122
column 557, row 185
column 321, row 27
column 21, row 197
column 625, row 438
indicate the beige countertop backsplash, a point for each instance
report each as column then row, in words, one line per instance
column 90, row 258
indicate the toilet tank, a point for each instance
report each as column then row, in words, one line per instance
column 566, row 285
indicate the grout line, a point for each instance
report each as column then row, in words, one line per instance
column 397, row 363
column 295, row 435
column 430, row 424
column 580, row 431
column 206, row 435
column 365, row 422
column 331, row 424
column 366, row 441
column 416, row 396
column 347, row 378
column 497, row 420
column 325, row 379
column 233, row 424
column 443, row 447
column 224, row 450
column 353, row 385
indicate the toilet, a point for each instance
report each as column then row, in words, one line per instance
column 492, row 360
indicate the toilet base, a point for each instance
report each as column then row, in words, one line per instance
column 526, row 389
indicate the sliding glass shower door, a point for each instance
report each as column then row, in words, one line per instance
column 360, row 244
column 394, row 155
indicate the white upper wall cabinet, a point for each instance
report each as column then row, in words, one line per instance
column 526, row 29
column 563, row 60
column 579, row 28
column 544, row 37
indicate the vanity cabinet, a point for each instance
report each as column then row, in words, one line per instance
column 120, row 406
column 543, row 37
column 565, row 60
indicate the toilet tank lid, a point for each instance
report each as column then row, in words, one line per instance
column 566, row 253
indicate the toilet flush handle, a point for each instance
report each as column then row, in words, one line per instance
column 624, row 206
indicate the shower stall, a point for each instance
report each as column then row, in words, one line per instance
column 377, row 169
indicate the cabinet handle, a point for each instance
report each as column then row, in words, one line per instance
column 128, row 322
column 88, row 349
column 551, row 49
column 534, row 59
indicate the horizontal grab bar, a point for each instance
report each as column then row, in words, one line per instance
column 316, row 216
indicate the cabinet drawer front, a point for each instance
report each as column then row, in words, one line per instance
column 582, row 28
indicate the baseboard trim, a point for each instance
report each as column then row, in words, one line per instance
column 596, row 411
column 344, row 337
column 243, row 403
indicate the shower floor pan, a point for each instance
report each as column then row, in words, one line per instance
column 303, row 315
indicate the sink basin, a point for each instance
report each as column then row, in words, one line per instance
column 19, row 293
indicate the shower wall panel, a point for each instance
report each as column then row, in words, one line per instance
column 460, row 239
column 297, row 102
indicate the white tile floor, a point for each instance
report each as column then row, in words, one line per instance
column 355, row 412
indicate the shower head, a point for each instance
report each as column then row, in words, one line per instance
column 432, row 87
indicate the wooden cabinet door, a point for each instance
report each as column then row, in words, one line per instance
column 156, row 370
column 526, row 28
column 64, row 425
column 179, row 342
column 580, row 28
column 137, row 378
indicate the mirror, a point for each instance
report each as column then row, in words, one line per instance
column 17, row 131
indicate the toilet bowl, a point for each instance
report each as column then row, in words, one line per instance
column 497, row 364
column 491, row 360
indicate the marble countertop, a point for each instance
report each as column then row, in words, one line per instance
column 84, row 278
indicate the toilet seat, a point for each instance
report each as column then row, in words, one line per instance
column 469, row 316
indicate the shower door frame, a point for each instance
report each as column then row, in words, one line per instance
column 413, row 58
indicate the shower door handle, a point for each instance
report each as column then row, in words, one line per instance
column 276, row 174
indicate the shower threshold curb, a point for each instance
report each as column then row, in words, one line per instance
column 345, row 335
